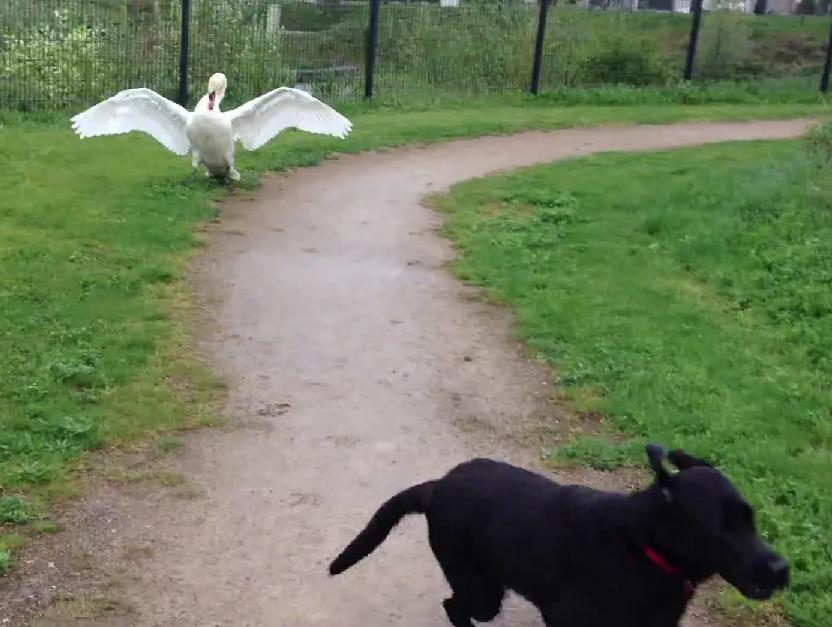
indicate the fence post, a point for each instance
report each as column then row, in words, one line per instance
column 542, row 19
column 696, row 22
column 184, row 45
column 827, row 67
column 372, row 47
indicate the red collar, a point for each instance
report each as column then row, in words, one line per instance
column 658, row 559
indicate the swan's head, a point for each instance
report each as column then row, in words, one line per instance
column 216, row 89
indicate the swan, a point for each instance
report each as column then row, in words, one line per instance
column 206, row 131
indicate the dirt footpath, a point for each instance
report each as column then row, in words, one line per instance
column 357, row 366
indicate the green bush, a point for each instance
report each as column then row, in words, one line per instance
column 468, row 50
column 231, row 37
column 623, row 65
column 725, row 46
column 311, row 17
column 49, row 63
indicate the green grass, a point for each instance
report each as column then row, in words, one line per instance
column 685, row 295
column 94, row 238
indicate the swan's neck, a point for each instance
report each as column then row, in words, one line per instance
column 204, row 104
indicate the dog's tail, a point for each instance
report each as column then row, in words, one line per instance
column 414, row 500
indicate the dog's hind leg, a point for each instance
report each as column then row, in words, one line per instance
column 473, row 598
column 475, row 595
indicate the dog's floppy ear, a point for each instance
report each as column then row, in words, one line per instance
column 683, row 461
column 661, row 465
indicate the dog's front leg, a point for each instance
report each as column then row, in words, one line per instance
column 455, row 614
column 556, row 615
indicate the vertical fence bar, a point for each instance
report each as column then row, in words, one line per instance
column 696, row 22
column 827, row 67
column 372, row 49
column 184, row 50
column 542, row 19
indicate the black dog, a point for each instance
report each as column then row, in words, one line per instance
column 585, row 558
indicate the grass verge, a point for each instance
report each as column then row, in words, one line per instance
column 94, row 238
column 685, row 296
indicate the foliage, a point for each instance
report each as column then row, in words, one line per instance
column 724, row 46
column 302, row 16
column 64, row 54
column 622, row 64
column 50, row 63
column 477, row 49
column 62, row 59
column 806, row 7
column 230, row 37
column 14, row 510
column 695, row 312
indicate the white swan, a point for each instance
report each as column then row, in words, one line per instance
column 207, row 132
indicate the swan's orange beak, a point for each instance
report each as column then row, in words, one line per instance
column 211, row 97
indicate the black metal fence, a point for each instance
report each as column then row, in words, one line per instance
column 64, row 54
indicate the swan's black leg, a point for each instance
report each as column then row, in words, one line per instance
column 229, row 181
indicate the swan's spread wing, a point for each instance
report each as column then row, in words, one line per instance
column 259, row 120
column 137, row 110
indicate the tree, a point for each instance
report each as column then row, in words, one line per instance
column 806, row 7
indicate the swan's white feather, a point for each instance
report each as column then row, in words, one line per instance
column 137, row 110
column 259, row 120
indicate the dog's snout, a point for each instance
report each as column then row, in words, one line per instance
column 779, row 569
column 778, row 566
column 770, row 574
column 773, row 573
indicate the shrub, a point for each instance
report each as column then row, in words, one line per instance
column 624, row 66
column 54, row 59
column 724, row 46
